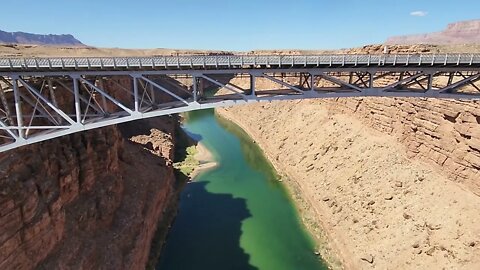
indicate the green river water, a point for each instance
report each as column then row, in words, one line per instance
column 237, row 215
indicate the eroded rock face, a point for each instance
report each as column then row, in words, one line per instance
column 86, row 201
column 466, row 32
column 382, row 204
column 39, row 185
column 90, row 200
column 443, row 132
column 393, row 181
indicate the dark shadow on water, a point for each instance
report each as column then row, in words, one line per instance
column 206, row 233
column 193, row 136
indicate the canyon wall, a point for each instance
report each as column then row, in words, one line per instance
column 91, row 200
column 445, row 133
column 380, row 207
column 393, row 182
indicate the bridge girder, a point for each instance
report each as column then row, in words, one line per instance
column 40, row 105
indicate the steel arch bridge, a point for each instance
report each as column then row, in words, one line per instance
column 45, row 98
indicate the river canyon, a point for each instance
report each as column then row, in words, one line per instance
column 379, row 183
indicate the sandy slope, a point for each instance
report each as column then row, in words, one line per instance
column 372, row 201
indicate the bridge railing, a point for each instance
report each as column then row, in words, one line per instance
column 233, row 61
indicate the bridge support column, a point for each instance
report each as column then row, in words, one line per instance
column 76, row 93
column 53, row 97
column 104, row 100
column 152, row 92
column 252, row 84
column 194, row 88
column 18, row 108
column 201, row 89
column 430, row 82
column 312, row 82
column 135, row 94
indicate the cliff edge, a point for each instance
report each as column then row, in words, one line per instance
column 465, row 32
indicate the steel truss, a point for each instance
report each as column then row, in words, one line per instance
column 44, row 104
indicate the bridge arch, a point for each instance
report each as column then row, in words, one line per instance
column 45, row 98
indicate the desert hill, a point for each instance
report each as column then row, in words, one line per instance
column 465, row 32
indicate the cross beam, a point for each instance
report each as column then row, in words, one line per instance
column 41, row 104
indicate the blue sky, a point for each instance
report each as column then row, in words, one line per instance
column 234, row 25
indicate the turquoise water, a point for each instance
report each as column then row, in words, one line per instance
column 237, row 215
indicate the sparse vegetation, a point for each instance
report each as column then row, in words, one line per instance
column 188, row 164
column 185, row 151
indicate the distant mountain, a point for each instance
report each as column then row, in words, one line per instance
column 466, row 32
column 37, row 39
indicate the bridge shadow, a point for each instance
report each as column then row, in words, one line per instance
column 206, row 232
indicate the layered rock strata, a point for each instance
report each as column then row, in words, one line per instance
column 394, row 182
column 465, row 32
column 380, row 207
column 86, row 201
column 91, row 200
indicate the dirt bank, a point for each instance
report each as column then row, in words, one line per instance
column 205, row 160
column 379, row 208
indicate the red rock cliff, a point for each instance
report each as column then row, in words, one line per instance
column 90, row 200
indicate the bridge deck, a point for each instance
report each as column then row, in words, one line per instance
column 44, row 98
column 201, row 62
